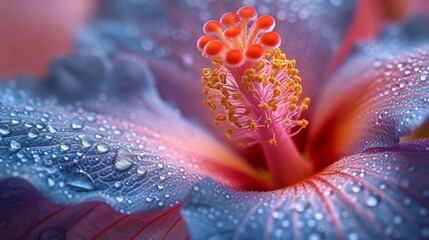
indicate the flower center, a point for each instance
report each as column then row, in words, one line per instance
column 254, row 90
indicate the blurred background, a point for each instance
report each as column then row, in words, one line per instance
column 36, row 31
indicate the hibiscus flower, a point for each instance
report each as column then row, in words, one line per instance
column 117, row 144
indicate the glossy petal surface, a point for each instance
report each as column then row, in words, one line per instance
column 27, row 215
column 379, row 96
column 380, row 193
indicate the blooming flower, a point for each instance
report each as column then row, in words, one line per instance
column 107, row 157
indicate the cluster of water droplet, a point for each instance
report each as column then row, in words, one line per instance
column 72, row 156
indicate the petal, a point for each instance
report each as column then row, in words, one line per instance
column 27, row 215
column 165, row 34
column 131, row 157
column 379, row 96
column 378, row 194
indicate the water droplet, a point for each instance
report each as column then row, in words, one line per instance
column 142, row 170
column 15, row 145
column 117, row 184
column 149, row 199
column 65, row 146
column 278, row 215
column 50, row 181
column 124, row 158
column 356, row 188
column 352, row 236
column 371, row 201
column 103, row 147
column 33, row 133
column 424, row 77
column 4, row 130
column 80, row 180
column 160, row 165
column 86, row 142
column 15, row 121
column 119, row 199
column 77, row 123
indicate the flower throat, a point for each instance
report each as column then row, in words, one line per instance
column 254, row 90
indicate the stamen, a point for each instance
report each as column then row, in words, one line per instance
column 254, row 74
column 254, row 90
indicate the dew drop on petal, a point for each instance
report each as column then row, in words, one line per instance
column 33, row 133
column 4, row 130
column 103, row 147
column 50, row 181
column 124, row 158
column 86, row 142
column 81, row 181
column 371, row 201
column 65, row 146
column 142, row 170
column 424, row 77
column 15, row 145
column 77, row 123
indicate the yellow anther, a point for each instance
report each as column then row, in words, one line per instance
column 225, row 92
column 220, row 117
column 237, row 95
column 274, row 107
column 306, row 100
column 294, row 99
column 237, row 124
column 297, row 79
column 293, row 72
column 252, row 125
column 247, row 112
column 206, row 90
column 260, row 65
column 302, row 123
column 263, row 105
column 277, row 92
column 209, row 104
column 268, row 121
column 292, row 107
column 272, row 102
column 304, row 106
column 272, row 142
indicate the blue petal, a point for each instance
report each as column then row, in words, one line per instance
column 378, row 194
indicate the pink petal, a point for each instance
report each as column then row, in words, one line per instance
column 375, row 99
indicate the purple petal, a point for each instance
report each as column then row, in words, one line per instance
column 379, row 96
column 378, row 194
column 27, row 215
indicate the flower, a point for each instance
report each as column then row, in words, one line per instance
column 108, row 158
